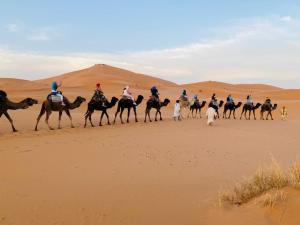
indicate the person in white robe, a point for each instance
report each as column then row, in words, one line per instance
column 211, row 115
column 177, row 115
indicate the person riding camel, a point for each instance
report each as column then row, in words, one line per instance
column 249, row 100
column 268, row 101
column 128, row 94
column 214, row 100
column 184, row 96
column 154, row 93
column 55, row 93
column 196, row 100
column 99, row 95
column 229, row 99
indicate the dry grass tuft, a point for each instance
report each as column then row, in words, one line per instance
column 294, row 175
column 272, row 198
column 262, row 181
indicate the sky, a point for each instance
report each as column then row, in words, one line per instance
column 232, row 41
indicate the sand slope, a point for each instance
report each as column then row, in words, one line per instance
column 155, row 173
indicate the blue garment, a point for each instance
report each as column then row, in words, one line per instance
column 54, row 86
column 229, row 99
column 154, row 91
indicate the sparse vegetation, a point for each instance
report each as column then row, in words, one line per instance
column 294, row 176
column 272, row 198
column 266, row 181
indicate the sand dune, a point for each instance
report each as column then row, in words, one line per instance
column 155, row 173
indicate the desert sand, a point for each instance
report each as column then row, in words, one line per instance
column 162, row 173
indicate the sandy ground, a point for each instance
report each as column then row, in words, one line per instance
column 156, row 173
column 159, row 173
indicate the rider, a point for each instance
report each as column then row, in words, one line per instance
column 196, row 100
column 249, row 100
column 229, row 99
column 154, row 93
column 128, row 94
column 99, row 95
column 268, row 101
column 184, row 95
column 54, row 91
column 214, row 100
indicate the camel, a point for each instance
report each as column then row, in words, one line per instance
column 6, row 104
column 126, row 103
column 231, row 107
column 48, row 106
column 197, row 106
column 216, row 107
column 250, row 108
column 157, row 105
column 97, row 105
column 267, row 108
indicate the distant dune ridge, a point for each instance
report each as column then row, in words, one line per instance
column 113, row 78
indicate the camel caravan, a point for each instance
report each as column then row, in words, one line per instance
column 184, row 107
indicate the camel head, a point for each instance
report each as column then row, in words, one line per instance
column 257, row 105
column 166, row 102
column 30, row 101
column 114, row 100
column 203, row 104
column 274, row 106
column 80, row 99
column 238, row 105
column 221, row 103
column 139, row 99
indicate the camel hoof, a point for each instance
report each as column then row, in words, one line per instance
column 15, row 131
column 108, row 123
column 59, row 128
column 150, row 120
column 51, row 128
column 155, row 120
column 100, row 125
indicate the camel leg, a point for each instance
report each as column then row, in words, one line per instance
column 118, row 110
column 156, row 115
column 271, row 115
column 242, row 114
column 230, row 111
column 146, row 111
column 128, row 114
column 69, row 115
column 160, row 115
column 90, row 119
column 148, row 114
column 134, row 110
column 261, row 115
column 11, row 121
column 42, row 112
column 234, row 114
column 101, row 117
column 59, row 119
column 122, row 109
column 48, row 113
column 85, row 119
column 107, row 116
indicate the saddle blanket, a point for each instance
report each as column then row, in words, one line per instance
column 55, row 98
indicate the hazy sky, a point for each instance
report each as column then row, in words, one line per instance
column 234, row 41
